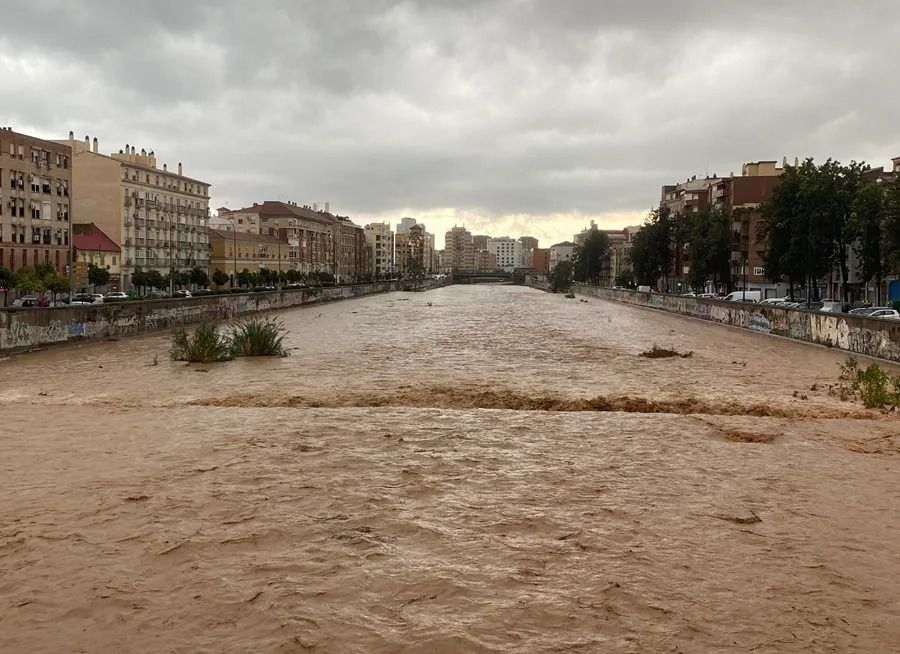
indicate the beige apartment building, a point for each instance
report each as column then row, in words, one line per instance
column 35, row 181
column 157, row 216
column 459, row 250
column 380, row 246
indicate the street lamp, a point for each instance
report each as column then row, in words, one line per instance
column 234, row 250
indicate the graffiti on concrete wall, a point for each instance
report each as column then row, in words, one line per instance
column 31, row 328
column 871, row 337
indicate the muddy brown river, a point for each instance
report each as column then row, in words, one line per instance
column 496, row 471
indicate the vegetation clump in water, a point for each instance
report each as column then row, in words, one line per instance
column 875, row 387
column 657, row 352
column 205, row 345
column 259, row 337
column 256, row 337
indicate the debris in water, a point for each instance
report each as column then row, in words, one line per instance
column 740, row 520
column 657, row 352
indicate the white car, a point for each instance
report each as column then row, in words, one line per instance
column 116, row 295
column 891, row 314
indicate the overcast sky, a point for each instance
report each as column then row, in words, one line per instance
column 511, row 117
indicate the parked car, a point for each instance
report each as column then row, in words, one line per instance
column 115, row 296
column 26, row 301
column 743, row 296
column 775, row 300
column 832, row 306
column 261, row 289
column 865, row 311
column 709, row 296
column 892, row 314
column 85, row 298
column 181, row 294
column 201, row 291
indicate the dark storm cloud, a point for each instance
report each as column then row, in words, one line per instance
column 492, row 108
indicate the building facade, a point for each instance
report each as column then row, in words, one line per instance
column 540, row 260
column 739, row 199
column 349, row 250
column 91, row 246
column 35, row 202
column 561, row 252
column 158, row 217
column 410, row 252
column 459, row 252
column 485, row 261
column 529, row 244
column 234, row 251
column 380, row 244
column 507, row 251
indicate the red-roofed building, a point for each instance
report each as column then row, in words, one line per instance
column 93, row 246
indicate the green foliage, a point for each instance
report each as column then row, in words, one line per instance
column 891, row 224
column 708, row 241
column 652, row 247
column 247, row 278
column 57, row 284
column 28, row 280
column 292, row 276
column 220, row 278
column 259, row 337
column 874, row 386
column 591, row 258
column 7, row 281
column 97, row 276
column 625, row 278
column 199, row 277
column 205, row 345
column 561, row 276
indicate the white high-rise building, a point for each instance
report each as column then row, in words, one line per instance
column 508, row 251
column 380, row 244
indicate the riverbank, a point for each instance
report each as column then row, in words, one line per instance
column 22, row 330
column 857, row 334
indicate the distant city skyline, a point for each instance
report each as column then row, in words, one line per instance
column 445, row 113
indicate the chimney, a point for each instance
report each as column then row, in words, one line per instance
column 87, row 141
column 784, row 162
column 96, row 146
column 315, row 206
column 132, row 149
column 179, row 168
column 327, row 207
column 796, row 161
column 165, row 168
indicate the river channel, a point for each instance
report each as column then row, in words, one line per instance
column 471, row 469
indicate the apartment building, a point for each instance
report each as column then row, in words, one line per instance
column 380, row 244
column 158, row 217
column 310, row 233
column 529, row 244
column 739, row 198
column 233, row 251
column 459, row 252
column 349, row 249
column 619, row 254
column 540, row 260
column 507, row 251
column 410, row 252
column 35, row 202
column 480, row 241
column 561, row 252
column 485, row 261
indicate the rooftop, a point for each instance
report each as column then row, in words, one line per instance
column 90, row 238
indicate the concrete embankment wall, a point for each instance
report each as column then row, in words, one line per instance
column 24, row 329
column 867, row 336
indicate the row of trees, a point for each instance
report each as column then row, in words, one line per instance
column 818, row 213
column 42, row 278
column 153, row 279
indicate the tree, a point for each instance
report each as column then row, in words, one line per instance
column 561, row 276
column 29, row 281
column 651, row 249
column 708, row 243
column 139, row 279
column 246, row 278
column 867, row 222
column 7, row 281
column 590, row 259
column 891, row 225
column 97, row 276
column 199, row 277
column 220, row 278
column 155, row 279
column 625, row 278
column 838, row 187
column 57, row 284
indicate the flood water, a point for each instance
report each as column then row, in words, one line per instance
column 472, row 469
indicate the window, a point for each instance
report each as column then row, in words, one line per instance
column 35, row 183
column 21, row 155
column 759, row 271
column 35, row 155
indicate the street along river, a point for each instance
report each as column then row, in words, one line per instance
column 472, row 469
